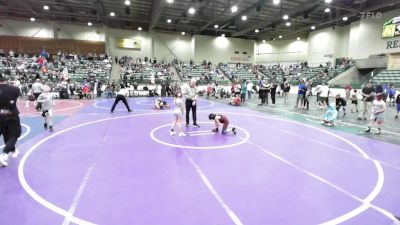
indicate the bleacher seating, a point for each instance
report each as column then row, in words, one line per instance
column 203, row 75
column 388, row 77
column 79, row 70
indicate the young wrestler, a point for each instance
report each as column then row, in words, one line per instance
column 235, row 100
column 46, row 99
column 160, row 104
column 354, row 100
column 378, row 113
column 341, row 102
column 178, row 113
column 330, row 115
column 221, row 120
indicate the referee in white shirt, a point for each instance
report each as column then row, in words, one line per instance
column 121, row 96
column 190, row 94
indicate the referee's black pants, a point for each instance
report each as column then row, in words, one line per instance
column 120, row 98
column 10, row 128
column 189, row 105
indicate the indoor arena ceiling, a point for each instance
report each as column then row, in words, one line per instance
column 264, row 17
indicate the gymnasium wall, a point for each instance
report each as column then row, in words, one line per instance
column 223, row 49
column 282, row 51
column 365, row 37
column 50, row 29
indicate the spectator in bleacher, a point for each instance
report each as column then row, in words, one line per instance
column 300, row 94
column 250, row 86
column 190, row 94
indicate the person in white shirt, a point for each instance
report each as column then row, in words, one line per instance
column 47, row 101
column 378, row 113
column 249, row 89
column 190, row 94
column 324, row 93
column 121, row 96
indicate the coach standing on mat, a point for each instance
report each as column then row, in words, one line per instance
column 10, row 126
column 190, row 94
column 121, row 96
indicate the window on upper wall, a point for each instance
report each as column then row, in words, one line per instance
column 236, row 52
column 244, row 53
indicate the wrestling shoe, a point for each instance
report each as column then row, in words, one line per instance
column 234, row 130
column 15, row 154
column 182, row 135
column 196, row 125
column 172, row 132
column 3, row 160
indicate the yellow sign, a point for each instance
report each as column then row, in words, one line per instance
column 129, row 43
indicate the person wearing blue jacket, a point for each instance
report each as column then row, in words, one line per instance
column 330, row 115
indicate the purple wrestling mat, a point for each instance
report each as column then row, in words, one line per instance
column 121, row 168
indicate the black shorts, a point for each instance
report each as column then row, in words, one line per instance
column 355, row 102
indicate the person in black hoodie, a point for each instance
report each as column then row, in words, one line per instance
column 10, row 126
column 274, row 86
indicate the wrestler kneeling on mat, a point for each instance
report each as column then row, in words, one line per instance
column 160, row 104
column 221, row 120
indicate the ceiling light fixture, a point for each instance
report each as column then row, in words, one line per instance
column 244, row 18
column 328, row 1
column 170, row 1
column 183, row 33
column 89, row 24
column 192, row 10
column 263, row 41
column 216, row 26
column 257, row 31
column 298, row 38
column 345, row 18
column 127, row 2
column 169, row 21
column 285, row 17
column 276, row 2
column 288, row 24
column 234, row 9
column 280, row 36
column 46, row 7
column 327, row 10
column 140, row 28
column 312, row 27
column 33, row 19
column 112, row 14
column 222, row 35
